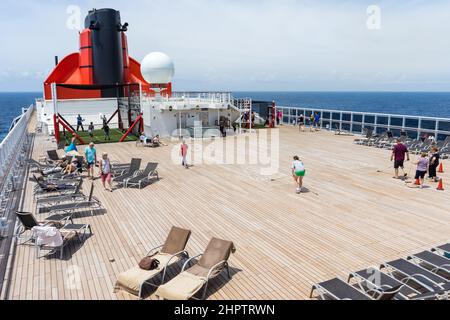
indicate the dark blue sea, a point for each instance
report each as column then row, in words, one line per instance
column 11, row 106
column 409, row 103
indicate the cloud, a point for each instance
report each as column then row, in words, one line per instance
column 254, row 45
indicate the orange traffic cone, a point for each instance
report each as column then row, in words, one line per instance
column 417, row 183
column 441, row 168
column 440, row 185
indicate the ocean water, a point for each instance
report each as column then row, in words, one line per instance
column 433, row 104
column 11, row 106
column 430, row 104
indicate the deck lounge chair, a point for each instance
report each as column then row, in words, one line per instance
column 50, row 187
column 171, row 253
column 134, row 167
column 433, row 262
column 445, row 249
column 53, row 156
column 66, row 235
column 211, row 264
column 144, row 176
column 337, row 289
column 406, row 271
column 28, row 222
column 76, row 196
column 69, row 208
column 374, row 282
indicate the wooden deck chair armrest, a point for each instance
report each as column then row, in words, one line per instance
column 221, row 264
column 153, row 249
column 189, row 261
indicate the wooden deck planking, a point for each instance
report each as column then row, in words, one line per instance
column 353, row 218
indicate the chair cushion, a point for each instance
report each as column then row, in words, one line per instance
column 132, row 279
column 176, row 241
column 182, row 287
column 218, row 250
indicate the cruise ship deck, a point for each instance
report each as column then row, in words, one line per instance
column 351, row 217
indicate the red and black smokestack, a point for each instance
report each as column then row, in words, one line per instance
column 107, row 48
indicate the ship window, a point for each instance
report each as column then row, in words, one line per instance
column 397, row 122
column 357, row 118
column 396, row 132
column 428, row 124
column 326, row 115
column 369, row 119
column 411, row 123
column 442, row 137
column 336, row 116
column 294, row 112
column 357, row 128
column 346, row 126
column 326, row 124
column 444, row 126
column 383, row 120
column 346, row 117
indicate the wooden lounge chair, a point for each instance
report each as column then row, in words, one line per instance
column 374, row 282
column 433, row 262
column 211, row 264
column 134, row 167
column 144, row 176
column 406, row 271
column 170, row 254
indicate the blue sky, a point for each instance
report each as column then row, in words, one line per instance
column 249, row 45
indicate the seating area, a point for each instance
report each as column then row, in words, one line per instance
column 387, row 141
column 195, row 274
column 421, row 276
column 132, row 176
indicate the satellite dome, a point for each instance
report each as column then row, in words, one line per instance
column 157, row 68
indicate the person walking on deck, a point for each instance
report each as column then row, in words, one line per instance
column 311, row 122
column 435, row 158
column 80, row 121
column 91, row 159
column 422, row 168
column 184, row 152
column 107, row 131
column 398, row 156
column 317, row 121
column 301, row 123
column 105, row 171
column 91, row 129
column 298, row 173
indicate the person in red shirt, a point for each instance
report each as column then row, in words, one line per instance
column 184, row 152
column 398, row 156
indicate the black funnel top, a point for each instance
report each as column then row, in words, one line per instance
column 106, row 46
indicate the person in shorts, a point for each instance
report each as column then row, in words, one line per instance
column 422, row 168
column 91, row 129
column 399, row 154
column 105, row 171
column 435, row 159
column 298, row 173
column 91, row 159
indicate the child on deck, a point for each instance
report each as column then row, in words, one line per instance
column 422, row 168
column 298, row 173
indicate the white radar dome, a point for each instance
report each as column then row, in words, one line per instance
column 157, row 68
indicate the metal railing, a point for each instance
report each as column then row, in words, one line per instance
column 358, row 122
column 12, row 143
column 212, row 97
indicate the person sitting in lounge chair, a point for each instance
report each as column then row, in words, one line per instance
column 72, row 167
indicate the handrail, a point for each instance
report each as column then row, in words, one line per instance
column 13, row 141
column 357, row 121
